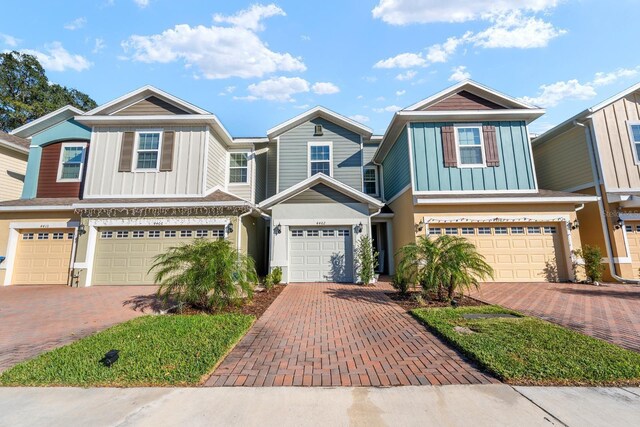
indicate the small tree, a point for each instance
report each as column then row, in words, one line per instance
column 205, row 274
column 276, row 275
column 400, row 284
column 593, row 267
column 367, row 259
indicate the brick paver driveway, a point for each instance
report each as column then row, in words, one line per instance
column 341, row 335
column 34, row 319
column 610, row 312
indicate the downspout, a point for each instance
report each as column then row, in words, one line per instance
column 603, row 220
column 74, row 247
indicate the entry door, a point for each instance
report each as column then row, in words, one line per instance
column 321, row 255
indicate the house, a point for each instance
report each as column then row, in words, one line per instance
column 108, row 189
column 13, row 165
column 597, row 152
column 460, row 163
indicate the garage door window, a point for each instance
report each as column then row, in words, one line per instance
column 435, row 230
column 313, row 233
column 217, row 233
column 550, row 230
column 170, row 233
column 27, row 236
column 484, row 230
column 517, row 230
column 500, row 230
column 343, row 233
column 138, row 234
column 468, row 230
column 106, row 235
column 58, row 236
column 202, row 233
column 154, row 234
column 328, row 233
column 451, row 230
column 533, row 230
column 43, row 236
column 122, row 234
column 297, row 233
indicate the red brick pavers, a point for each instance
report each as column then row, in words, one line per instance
column 610, row 312
column 319, row 334
column 34, row 319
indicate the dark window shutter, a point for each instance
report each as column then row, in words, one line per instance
column 449, row 147
column 126, row 152
column 490, row 146
column 166, row 159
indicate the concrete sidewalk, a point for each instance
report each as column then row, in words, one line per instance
column 477, row 405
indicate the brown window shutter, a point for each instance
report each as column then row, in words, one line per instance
column 166, row 159
column 449, row 147
column 126, row 151
column 490, row 146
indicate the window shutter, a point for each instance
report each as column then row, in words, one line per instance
column 166, row 159
column 490, row 146
column 126, row 152
column 449, row 147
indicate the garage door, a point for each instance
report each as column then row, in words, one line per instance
column 124, row 256
column 320, row 255
column 632, row 230
column 43, row 257
column 517, row 252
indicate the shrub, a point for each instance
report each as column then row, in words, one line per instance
column 593, row 267
column 268, row 282
column 205, row 274
column 400, row 284
column 276, row 275
column 366, row 260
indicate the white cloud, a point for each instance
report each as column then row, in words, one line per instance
column 403, row 60
column 516, row 31
column 400, row 92
column 403, row 12
column 301, row 107
column 76, row 24
column 554, row 93
column 360, row 97
column 280, row 89
column 217, row 52
column 370, row 79
column 325, row 88
column 442, row 52
column 408, row 75
column 57, row 58
column 305, row 38
column 359, row 118
column 459, row 73
column 99, row 44
column 9, row 40
column 227, row 90
column 252, row 17
column 388, row 109
column 141, row 3
column 603, row 79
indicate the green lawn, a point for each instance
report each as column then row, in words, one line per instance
column 154, row 351
column 529, row 351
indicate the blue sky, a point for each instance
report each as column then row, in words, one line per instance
column 258, row 64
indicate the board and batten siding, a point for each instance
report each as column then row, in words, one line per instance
column 395, row 167
column 186, row 177
column 260, row 168
column 13, row 167
column 614, row 142
column 347, row 155
column 515, row 171
column 272, row 168
column 562, row 163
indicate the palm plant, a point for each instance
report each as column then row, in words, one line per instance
column 446, row 263
column 205, row 274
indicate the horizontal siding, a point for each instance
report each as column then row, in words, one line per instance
column 514, row 173
column 260, row 172
column 151, row 106
column 103, row 178
column 321, row 194
column 244, row 191
column 13, row 167
column 396, row 174
column 217, row 162
column 49, row 163
column 563, row 163
column 272, row 168
column 347, row 156
column 464, row 101
column 368, row 151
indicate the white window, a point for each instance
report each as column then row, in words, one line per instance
column 71, row 162
column 328, row 233
column 58, row 236
column 43, row 236
column 186, row 233
column 106, row 235
column 320, row 158
column 138, row 234
column 470, row 146
column 296, row 233
column 313, row 233
column 484, row 230
column 27, row 236
column 371, row 180
column 122, row 234
column 202, row 233
column 238, row 168
column 217, row 233
column 148, row 150
column 154, row 234
column 435, row 230
column 533, row 230
column 500, row 230
column 343, row 233
column 468, row 230
column 517, row 230
column 170, row 233
column 550, row 230
column 451, row 230
column 634, row 134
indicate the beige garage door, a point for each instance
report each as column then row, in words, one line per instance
column 43, row 257
column 632, row 230
column 517, row 252
column 124, row 255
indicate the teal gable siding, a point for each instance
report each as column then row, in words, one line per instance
column 514, row 173
column 67, row 130
column 395, row 167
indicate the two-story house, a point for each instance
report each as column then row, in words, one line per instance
column 460, row 163
column 597, row 152
column 13, row 165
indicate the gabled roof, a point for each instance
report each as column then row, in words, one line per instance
column 324, row 113
column 61, row 114
column 14, row 142
column 316, row 179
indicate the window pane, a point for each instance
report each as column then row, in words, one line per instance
column 637, row 150
column 469, row 136
column 370, row 187
column 238, row 160
column 72, row 154
column 148, row 141
column 370, row 175
column 470, row 155
column 320, row 152
column 238, row 175
column 320, row 167
column 147, row 160
column 70, row 171
column 636, row 132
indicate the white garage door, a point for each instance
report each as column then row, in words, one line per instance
column 320, row 255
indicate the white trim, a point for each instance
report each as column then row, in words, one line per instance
column 35, row 208
column 377, row 180
column 470, row 192
column 456, row 115
column 319, row 144
column 82, row 162
column 579, row 187
column 459, row 164
column 618, row 260
column 362, row 164
column 629, row 216
column 614, row 98
column 156, row 204
column 90, row 255
column 14, row 147
column 136, row 149
column 410, row 151
column 277, row 167
column 625, row 240
column 400, row 193
column 320, row 111
column 146, row 196
column 634, row 148
column 530, row 150
column 504, row 200
column 43, row 225
column 250, row 157
column 493, row 219
column 157, row 222
column 205, row 174
column 66, row 108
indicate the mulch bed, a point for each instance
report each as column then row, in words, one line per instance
column 408, row 301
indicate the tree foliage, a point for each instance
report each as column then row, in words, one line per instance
column 26, row 93
column 366, row 260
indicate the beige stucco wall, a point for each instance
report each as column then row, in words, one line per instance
column 13, row 166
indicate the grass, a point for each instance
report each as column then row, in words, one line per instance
column 154, row 351
column 529, row 351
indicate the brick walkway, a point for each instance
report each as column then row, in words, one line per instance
column 341, row 335
column 610, row 312
column 34, row 319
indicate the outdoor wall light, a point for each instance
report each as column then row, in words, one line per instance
column 575, row 225
column 419, row 226
column 229, row 228
column 277, row 229
column 619, row 223
column 81, row 230
column 359, row 228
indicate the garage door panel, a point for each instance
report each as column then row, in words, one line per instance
column 41, row 259
column 632, row 233
column 320, row 255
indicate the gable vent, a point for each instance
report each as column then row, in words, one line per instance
column 318, row 130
